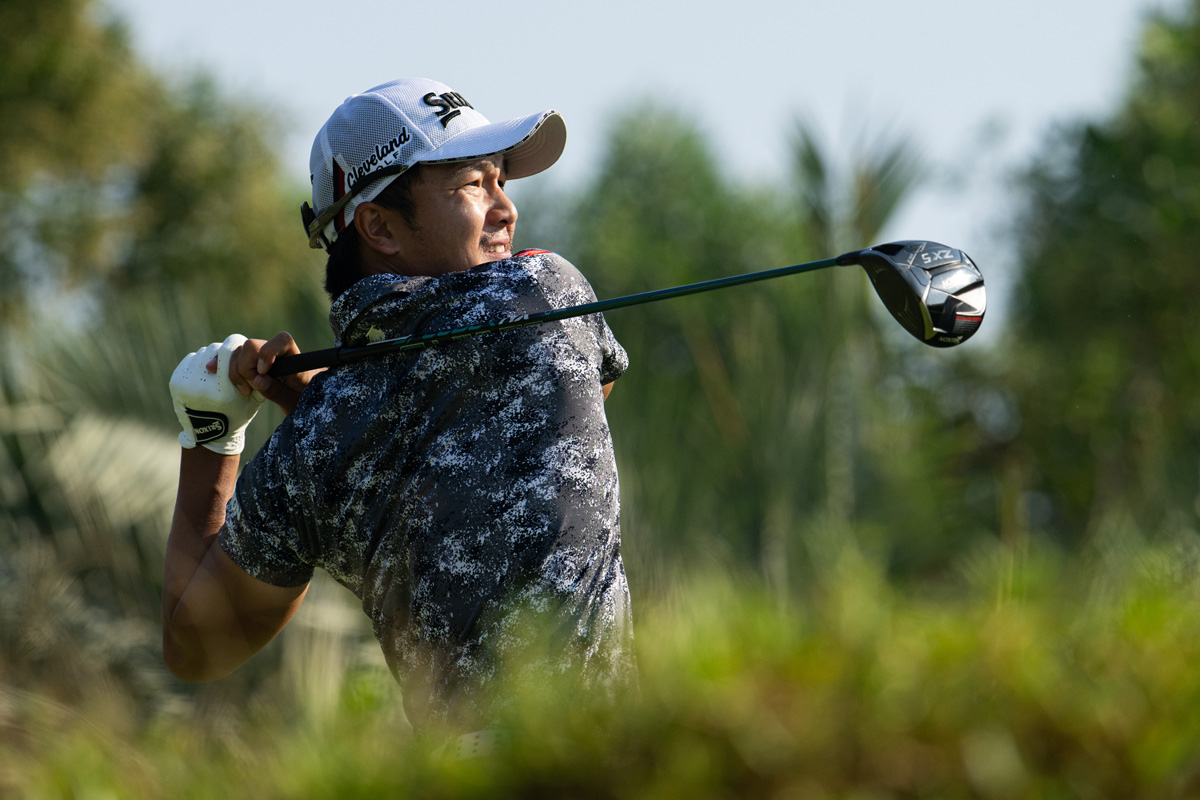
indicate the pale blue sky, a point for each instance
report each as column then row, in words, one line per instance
column 977, row 84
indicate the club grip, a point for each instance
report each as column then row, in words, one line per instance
column 302, row 362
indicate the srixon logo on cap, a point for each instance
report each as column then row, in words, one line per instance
column 448, row 105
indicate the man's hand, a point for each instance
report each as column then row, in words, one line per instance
column 253, row 360
column 210, row 410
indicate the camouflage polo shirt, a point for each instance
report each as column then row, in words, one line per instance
column 457, row 490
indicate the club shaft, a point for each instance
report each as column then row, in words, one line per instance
column 318, row 359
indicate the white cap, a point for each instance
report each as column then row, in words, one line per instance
column 375, row 136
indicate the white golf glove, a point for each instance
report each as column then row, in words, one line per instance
column 213, row 413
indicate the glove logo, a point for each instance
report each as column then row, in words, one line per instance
column 207, row 426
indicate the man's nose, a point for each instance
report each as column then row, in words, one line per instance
column 503, row 211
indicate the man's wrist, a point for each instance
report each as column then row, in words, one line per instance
column 206, row 460
column 230, row 446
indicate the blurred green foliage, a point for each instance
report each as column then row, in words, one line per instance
column 119, row 184
column 861, row 568
column 145, row 216
column 1000, row 689
column 1105, row 344
column 793, row 404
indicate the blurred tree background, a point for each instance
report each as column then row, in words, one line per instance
column 768, row 432
column 1105, row 345
column 138, row 210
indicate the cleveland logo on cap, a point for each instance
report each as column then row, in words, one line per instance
column 380, row 155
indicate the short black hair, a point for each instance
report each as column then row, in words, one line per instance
column 344, row 267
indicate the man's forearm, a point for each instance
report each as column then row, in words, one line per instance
column 206, row 482
column 215, row 615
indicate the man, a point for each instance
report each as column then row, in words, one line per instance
column 465, row 493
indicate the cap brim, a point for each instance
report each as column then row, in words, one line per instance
column 530, row 144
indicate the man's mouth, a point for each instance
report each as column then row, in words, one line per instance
column 496, row 248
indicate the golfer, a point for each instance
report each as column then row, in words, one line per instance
column 465, row 493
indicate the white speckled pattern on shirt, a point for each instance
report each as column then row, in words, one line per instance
column 458, row 488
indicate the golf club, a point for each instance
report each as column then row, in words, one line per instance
column 935, row 292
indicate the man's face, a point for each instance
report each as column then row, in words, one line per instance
column 462, row 218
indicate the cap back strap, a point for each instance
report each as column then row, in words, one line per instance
column 314, row 224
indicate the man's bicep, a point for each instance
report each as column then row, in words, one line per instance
column 225, row 616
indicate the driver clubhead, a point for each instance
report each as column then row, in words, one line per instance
column 935, row 292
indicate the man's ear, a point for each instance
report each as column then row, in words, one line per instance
column 378, row 227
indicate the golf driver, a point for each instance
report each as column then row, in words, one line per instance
column 935, row 292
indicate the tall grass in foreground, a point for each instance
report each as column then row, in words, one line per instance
column 1032, row 676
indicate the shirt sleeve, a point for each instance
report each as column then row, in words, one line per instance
column 262, row 533
column 565, row 285
column 614, row 359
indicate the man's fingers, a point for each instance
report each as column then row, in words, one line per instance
column 243, row 366
column 278, row 345
column 251, row 361
column 270, row 388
